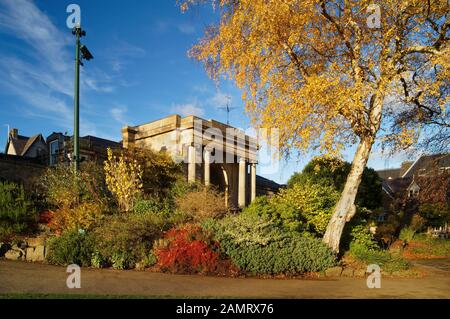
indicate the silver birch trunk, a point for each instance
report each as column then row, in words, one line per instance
column 345, row 208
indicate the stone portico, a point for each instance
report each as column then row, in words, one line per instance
column 213, row 153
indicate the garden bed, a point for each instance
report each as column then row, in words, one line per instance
column 423, row 247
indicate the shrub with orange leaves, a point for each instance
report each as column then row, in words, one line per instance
column 189, row 249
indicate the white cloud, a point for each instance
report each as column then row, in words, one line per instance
column 118, row 113
column 188, row 109
column 44, row 78
column 95, row 85
column 203, row 88
column 219, row 99
column 186, row 28
column 160, row 26
column 24, row 20
column 122, row 53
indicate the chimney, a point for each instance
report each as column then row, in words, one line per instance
column 13, row 133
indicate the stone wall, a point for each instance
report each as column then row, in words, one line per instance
column 20, row 169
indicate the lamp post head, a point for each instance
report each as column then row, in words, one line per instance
column 78, row 31
column 86, row 54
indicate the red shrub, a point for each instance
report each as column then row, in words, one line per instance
column 189, row 250
column 46, row 216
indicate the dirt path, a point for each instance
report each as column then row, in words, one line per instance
column 21, row 277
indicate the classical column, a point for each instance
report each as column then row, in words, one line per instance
column 207, row 173
column 191, row 164
column 242, row 183
column 253, row 181
column 227, row 192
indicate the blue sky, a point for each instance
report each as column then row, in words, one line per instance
column 140, row 71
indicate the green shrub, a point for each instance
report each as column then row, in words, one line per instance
column 123, row 240
column 150, row 259
column 162, row 208
column 181, row 187
column 72, row 247
column 255, row 245
column 306, row 207
column 407, row 234
column 97, row 261
column 16, row 211
column 435, row 214
column 361, row 235
column 333, row 171
column 387, row 261
column 278, row 212
column 358, row 231
column 150, row 205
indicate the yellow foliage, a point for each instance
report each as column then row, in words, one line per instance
column 317, row 71
column 124, row 179
column 82, row 216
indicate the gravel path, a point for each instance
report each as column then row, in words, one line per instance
column 22, row 277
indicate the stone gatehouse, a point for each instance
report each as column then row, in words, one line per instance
column 213, row 153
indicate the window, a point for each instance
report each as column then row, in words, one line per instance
column 54, row 148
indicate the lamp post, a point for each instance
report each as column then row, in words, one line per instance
column 85, row 54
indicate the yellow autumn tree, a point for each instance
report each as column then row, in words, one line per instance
column 331, row 74
column 124, row 179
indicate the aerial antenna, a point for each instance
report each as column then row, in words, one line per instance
column 228, row 108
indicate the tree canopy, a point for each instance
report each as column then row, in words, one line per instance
column 334, row 172
column 326, row 76
column 316, row 70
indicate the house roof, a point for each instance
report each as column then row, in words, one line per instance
column 30, row 142
column 22, row 143
column 101, row 142
column 391, row 173
column 428, row 163
column 265, row 183
column 409, row 169
column 18, row 143
column 397, row 185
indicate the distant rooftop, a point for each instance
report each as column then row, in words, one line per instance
column 423, row 165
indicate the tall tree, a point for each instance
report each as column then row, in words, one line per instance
column 329, row 74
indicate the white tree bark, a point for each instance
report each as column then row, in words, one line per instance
column 345, row 208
